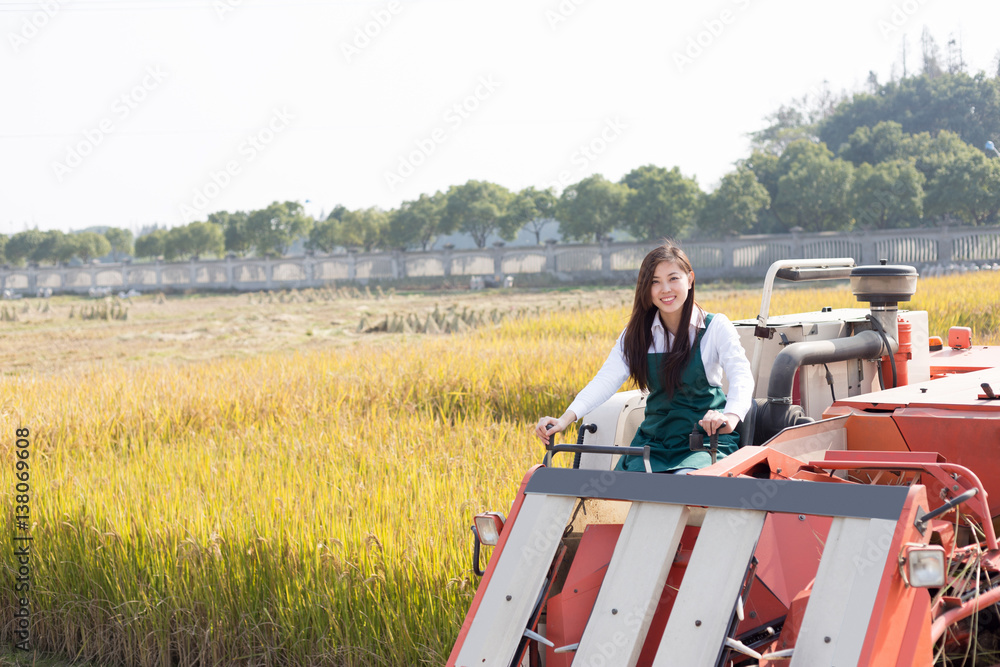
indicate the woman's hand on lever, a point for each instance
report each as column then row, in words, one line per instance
column 717, row 422
column 543, row 429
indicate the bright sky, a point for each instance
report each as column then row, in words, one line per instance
column 134, row 112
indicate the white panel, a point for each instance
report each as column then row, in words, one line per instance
column 919, row 367
column 607, row 415
column 499, row 623
column 840, row 605
column 810, row 442
column 704, row 606
column 610, row 417
column 632, row 586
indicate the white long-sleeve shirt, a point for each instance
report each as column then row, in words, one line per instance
column 721, row 353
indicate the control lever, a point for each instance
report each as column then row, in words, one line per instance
column 697, row 443
column 553, row 448
column 923, row 518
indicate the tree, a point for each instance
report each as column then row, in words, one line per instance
column 65, row 248
column 273, row 229
column 966, row 186
column 591, row 208
column 22, row 244
column 812, row 188
column 420, row 221
column 885, row 141
column 194, row 240
column 931, row 54
column 660, row 202
column 479, row 208
column 206, row 238
column 234, row 231
column 799, row 119
column 887, row 195
column 765, row 167
column 956, row 63
column 533, row 208
column 324, row 235
column 337, row 213
column 90, row 245
column 787, row 124
column 54, row 247
column 365, row 228
column 152, row 244
column 177, row 243
column 121, row 242
column 930, row 153
column 3, row 247
column 966, row 105
column 872, row 85
column 735, row 205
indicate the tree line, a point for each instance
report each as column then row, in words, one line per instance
column 56, row 247
column 648, row 201
column 907, row 153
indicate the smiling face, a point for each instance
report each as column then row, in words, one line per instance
column 668, row 291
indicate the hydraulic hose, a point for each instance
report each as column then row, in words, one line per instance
column 892, row 356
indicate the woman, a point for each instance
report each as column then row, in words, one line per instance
column 678, row 352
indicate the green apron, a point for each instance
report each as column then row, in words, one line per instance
column 669, row 420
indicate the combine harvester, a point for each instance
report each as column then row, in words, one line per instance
column 853, row 527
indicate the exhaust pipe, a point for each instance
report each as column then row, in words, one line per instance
column 865, row 345
column 884, row 287
column 779, row 412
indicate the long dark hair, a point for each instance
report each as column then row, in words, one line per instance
column 638, row 334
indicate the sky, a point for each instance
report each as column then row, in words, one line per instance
column 130, row 113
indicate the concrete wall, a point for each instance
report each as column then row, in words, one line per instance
column 736, row 257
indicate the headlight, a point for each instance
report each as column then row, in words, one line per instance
column 489, row 525
column 922, row 566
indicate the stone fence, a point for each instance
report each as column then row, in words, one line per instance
column 735, row 257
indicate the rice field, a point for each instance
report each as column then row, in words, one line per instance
column 310, row 503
